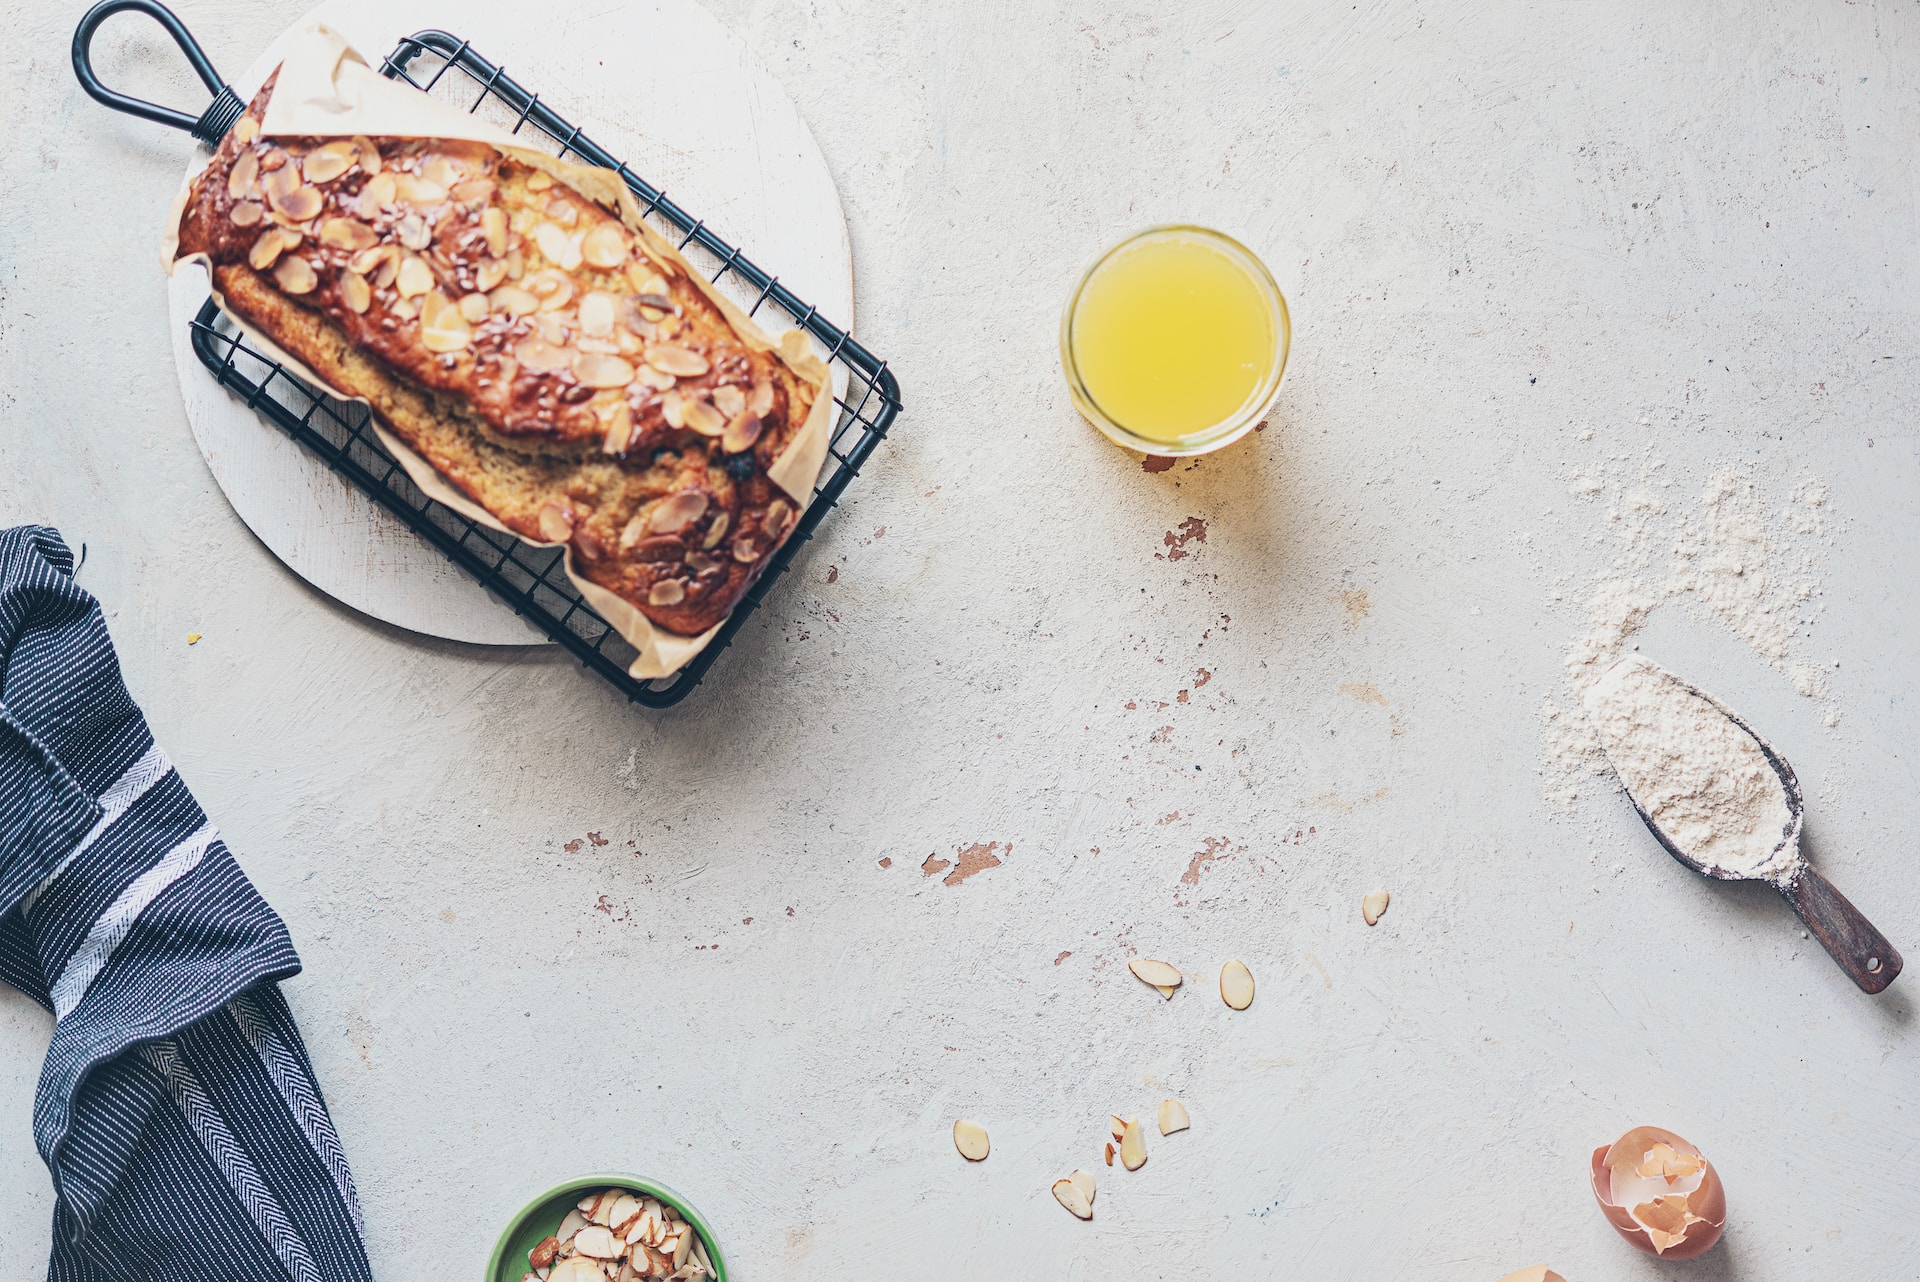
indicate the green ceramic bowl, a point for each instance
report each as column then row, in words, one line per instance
column 543, row 1215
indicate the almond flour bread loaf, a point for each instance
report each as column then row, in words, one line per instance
column 560, row 370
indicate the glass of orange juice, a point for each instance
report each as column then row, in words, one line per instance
column 1175, row 341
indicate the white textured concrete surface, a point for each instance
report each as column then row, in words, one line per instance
column 1497, row 222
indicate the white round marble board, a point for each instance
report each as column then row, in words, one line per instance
column 660, row 84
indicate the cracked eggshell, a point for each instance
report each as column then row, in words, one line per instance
column 1621, row 1189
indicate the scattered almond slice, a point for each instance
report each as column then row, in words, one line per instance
column 1236, row 985
column 1117, row 1127
column 1160, row 974
column 1173, row 1116
column 971, row 1139
column 1109, row 1152
column 1538, row 1273
column 1075, row 1192
column 1133, row 1146
column 1374, row 906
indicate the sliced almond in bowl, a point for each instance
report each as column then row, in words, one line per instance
column 1236, row 985
column 1161, row 975
column 1075, row 1192
column 1173, row 1116
column 971, row 1139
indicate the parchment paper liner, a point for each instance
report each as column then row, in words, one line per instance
column 326, row 89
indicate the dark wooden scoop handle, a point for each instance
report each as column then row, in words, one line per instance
column 1862, row 951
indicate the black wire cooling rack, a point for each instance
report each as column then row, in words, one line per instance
column 530, row 579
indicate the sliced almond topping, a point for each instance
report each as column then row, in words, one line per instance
column 440, row 171
column 369, row 262
column 348, row 233
column 245, row 130
column 274, row 158
column 595, row 1240
column 742, row 431
column 413, row 232
column 295, row 275
column 558, row 248
column 667, row 592
column 474, row 192
column 246, row 213
column 355, row 293
column 673, row 515
column 488, row 274
column 300, row 204
column 380, row 191
column 702, row 417
column 551, row 287
column 658, row 381
column 605, row 246
column 1374, row 906
column 635, row 531
column 415, row 277
column 776, row 519
column 329, row 160
column 619, row 428
column 400, row 308
column 730, row 398
column 542, row 357
column 1158, row 973
column 971, row 1139
column 556, row 525
column 368, row 153
column 716, row 531
column 244, row 174
column 672, row 407
column 760, row 403
column 1236, row 985
column 1173, row 1116
column 1133, row 1145
column 493, row 221
column 539, row 180
column 513, row 300
column 681, row 362
column 597, row 312
column 418, row 191
column 745, row 550
column 475, row 307
column 452, row 337
column 596, row 370
column 1073, row 1196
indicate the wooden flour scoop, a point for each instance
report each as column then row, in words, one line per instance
column 1862, row 951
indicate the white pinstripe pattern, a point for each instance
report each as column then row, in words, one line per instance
column 297, row 1090
column 206, row 1122
column 96, row 950
column 114, row 802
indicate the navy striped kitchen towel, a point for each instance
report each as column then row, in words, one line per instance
column 176, row 1109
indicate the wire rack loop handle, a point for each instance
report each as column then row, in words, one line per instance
column 210, row 126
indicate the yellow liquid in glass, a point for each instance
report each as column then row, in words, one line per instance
column 1171, row 336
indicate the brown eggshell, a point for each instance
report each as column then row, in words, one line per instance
column 1709, row 1201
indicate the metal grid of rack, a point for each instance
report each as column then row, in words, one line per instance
column 533, row 579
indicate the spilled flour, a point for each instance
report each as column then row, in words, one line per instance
column 1730, row 555
column 1698, row 775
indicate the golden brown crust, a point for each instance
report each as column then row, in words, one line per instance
column 516, row 336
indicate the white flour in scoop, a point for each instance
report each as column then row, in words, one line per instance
column 1700, row 777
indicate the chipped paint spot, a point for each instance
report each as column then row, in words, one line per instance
column 597, row 839
column 972, row 859
column 1164, row 820
column 1192, row 530
column 1162, row 735
column 1363, row 692
column 833, row 574
column 886, row 863
column 1156, row 463
column 1358, row 606
column 1326, row 980
column 746, row 921
column 446, row 915
column 1062, row 957
column 1201, row 858
column 573, row 847
column 934, row 865
column 1201, row 678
